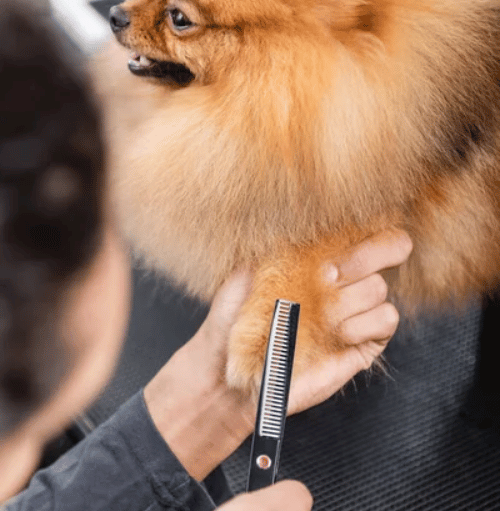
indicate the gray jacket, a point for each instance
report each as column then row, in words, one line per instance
column 124, row 465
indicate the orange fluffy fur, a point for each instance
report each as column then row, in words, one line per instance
column 309, row 125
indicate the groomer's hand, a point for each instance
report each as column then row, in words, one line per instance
column 367, row 320
column 285, row 495
column 204, row 421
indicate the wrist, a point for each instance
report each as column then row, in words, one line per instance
column 206, row 438
column 201, row 419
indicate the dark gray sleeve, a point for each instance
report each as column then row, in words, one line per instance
column 124, row 465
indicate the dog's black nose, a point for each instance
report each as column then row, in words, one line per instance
column 118, row 19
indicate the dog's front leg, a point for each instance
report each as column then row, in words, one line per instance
column 299, row 274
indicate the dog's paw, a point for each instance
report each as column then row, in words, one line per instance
column 247, row 349
column 317, row 338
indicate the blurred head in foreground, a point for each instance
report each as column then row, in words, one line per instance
column 64, row 277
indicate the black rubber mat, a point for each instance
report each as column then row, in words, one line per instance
column 397, row 442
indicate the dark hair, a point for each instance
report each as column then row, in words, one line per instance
column 51, row 183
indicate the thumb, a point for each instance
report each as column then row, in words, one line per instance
column 228, row 300
column 289, row 495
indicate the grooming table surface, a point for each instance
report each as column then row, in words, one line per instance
column 390, row 442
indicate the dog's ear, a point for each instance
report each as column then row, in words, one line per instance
column 345, row 15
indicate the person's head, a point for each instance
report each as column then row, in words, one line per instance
column 63, row 274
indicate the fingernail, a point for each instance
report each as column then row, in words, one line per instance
column 331, row 273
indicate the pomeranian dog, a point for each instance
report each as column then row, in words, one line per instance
column 275, row 134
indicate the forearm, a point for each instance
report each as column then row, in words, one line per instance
column 200, row 418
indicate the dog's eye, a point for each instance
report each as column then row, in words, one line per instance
column 179, row 20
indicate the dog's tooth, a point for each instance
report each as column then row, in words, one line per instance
column 144, row 61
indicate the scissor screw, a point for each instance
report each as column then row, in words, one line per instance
column 264, row 462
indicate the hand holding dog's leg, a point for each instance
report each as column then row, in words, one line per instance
column 367, row 323
column 204, row 420
column 331, row 299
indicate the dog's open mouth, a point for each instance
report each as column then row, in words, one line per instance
column 168, row 71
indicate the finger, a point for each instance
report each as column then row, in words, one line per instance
column 377, row 324
column 313, row 387
column 359, row 297
column 289, row 495
column 381, row 251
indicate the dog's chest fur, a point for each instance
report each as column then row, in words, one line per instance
column 308, row 135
